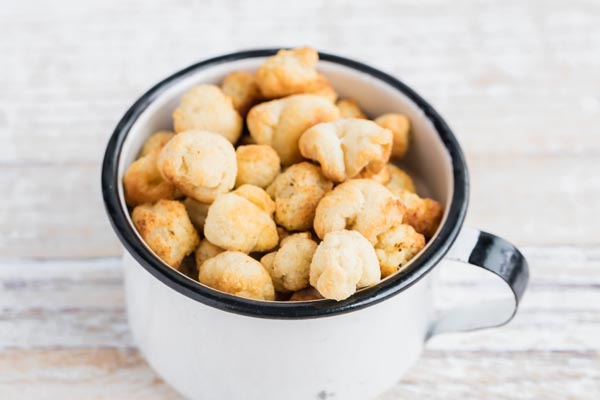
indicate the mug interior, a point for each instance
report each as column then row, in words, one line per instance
column 427, row 160
column 434, row 159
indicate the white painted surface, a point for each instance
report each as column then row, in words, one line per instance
column 517, row 80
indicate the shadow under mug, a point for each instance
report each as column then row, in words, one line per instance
column 212, row 345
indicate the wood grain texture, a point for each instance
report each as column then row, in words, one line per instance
column 517, row 80
column 80, row 303
column 79, row 374
column 512, row 77
column 54, row 211
column 505, row 376
column 122, row 374
column 551, row 348
column 57, row 212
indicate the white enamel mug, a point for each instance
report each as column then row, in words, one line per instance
column 210, row 345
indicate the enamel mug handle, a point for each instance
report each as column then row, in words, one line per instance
column 495, row 255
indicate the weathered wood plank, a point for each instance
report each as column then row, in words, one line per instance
column 506, row 376
column 56, row 211
column 547, row 200
column 518, row 82
column 80, row 304
column 64, row 328
column 122, row 374
column 533, row 329
column 79, row 374
column 81, row 284
column 512, row 77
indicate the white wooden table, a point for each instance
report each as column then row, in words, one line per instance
column 519, row 81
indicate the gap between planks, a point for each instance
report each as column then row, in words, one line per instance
column 80, row 303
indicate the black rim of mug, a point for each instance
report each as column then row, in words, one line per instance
column 438, row 247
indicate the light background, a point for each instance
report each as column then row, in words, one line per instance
column 518, row 81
